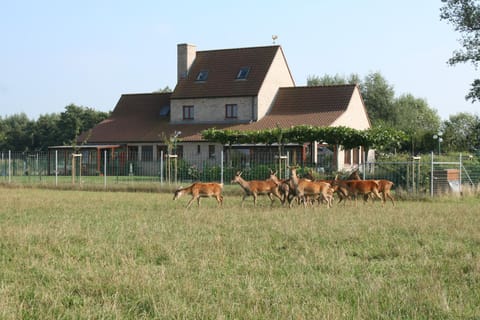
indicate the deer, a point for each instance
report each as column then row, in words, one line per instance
column 356, row 187
column 201, row 190
column 384, row 187
column 284, row 186
column 341, row 192
column 307, row 188
column 255, row 188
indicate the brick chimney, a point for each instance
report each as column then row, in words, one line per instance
column 185, row 55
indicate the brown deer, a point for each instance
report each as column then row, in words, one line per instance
column 255, row 188
column 284, row 186
column 304, row 188
column 384, row 187
column 341, row 192
column 357, row 187
column 201, row 190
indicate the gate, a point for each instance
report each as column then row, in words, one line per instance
column 449, row 177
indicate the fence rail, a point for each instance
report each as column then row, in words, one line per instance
column 424, row 175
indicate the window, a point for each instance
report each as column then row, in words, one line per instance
column 231, row 111
column 202, row 75
column 198, row 149
column 211, row 151
column 243, row 73
column 187, row 112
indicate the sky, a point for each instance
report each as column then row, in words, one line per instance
column 90, row 52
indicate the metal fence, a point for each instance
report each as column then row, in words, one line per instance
column 426, row 175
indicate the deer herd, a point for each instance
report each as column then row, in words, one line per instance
column 295, row 190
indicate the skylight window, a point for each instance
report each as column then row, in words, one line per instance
column 243, row 73
column 202, row 75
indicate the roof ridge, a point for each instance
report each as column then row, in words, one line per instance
column 242, row 48
column 146, row 93
column 323, row 86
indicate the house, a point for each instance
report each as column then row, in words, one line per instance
column 239, row 89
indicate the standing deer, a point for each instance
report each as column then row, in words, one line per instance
column 304, row 188
column 201, row 190
column 284, row 186
column 255, row 188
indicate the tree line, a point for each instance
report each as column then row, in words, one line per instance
column 19, row 133
column 411, row 115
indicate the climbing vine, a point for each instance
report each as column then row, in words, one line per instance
column 373, row 138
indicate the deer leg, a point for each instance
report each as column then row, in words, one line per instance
column 243, row 199
column 219, row 200
column 271, row 199
column 190, row 202
column 390, row 197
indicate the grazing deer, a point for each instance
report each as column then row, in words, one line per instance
column 201, row 190
column 255, row 188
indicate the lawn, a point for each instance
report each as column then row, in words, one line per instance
column 80, row 254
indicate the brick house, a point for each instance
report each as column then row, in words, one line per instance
column 240, row 89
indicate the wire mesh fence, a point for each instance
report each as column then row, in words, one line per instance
column 427, row 175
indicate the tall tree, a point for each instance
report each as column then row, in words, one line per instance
column 461, row 132
column 75, row 120
column 18, row 133
column 378, row 96
column 327, row 80
column 414, row 117
column 464, row 15
column 46, row 131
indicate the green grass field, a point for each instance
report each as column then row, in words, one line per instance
column 113, row 255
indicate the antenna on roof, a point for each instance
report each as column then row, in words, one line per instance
column 274, row 37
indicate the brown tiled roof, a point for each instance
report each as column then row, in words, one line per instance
column 136, row 117
column 223, row 67
column 133, row 119
column 316, row 106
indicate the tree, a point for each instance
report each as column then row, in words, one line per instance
column 461, row 132
column 75, row 120
column 378, row 96
column 417, row 120
column 166, row 89
column 464, row 15
column 18, row 133
column 46, row 132
column 327, row 80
